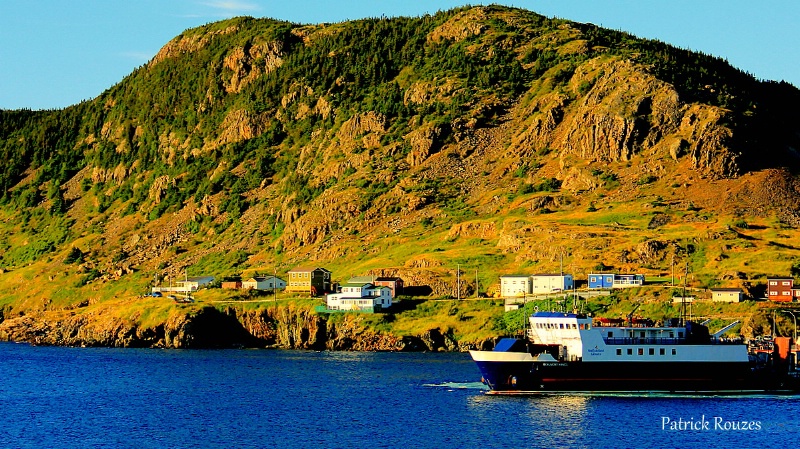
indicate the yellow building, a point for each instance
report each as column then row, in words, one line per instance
column 314, row 281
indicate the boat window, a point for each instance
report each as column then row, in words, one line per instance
column 641, row 334
column 674, row 351
column 680, row 334
column 619, row 351
column 640, row 351
column 652, row 351
column 630, row 351
column 662, row 351
column 610, row 334
column 671, row 334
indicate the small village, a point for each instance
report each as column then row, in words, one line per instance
column 373, row 294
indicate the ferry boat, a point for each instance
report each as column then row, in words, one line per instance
column 568, row 352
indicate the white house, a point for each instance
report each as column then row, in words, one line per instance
column 264, row 283
column 360, row 297
column 550, row 283
column 513, row 285
column 187, row 285
column 726, row 295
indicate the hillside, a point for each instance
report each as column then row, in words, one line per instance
column 489, row 138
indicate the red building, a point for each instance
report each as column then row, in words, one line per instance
column 780, row 289
column 394, row 283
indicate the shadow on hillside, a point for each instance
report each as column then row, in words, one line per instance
column 417, row 290
column 405, row 305
column 781, row 245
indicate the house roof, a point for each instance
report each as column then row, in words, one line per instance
column 262, row 278
column 360, row 279
column 199, row 279
column 550, row 274
column 357, row 284
column 306, row 269
column 514, row 276
column 726, row 290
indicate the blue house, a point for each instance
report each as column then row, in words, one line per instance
column 601, row 280
column 628, row 280
column 610, row 280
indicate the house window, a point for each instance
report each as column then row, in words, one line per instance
column 773, row 283
column 773, row 293
column 786, row 283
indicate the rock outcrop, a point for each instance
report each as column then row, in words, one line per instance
column 620, row 111
column 186, row 327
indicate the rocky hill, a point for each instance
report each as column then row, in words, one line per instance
column 489, row 138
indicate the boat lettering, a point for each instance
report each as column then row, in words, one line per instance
column 596, row 351
column 554, row 364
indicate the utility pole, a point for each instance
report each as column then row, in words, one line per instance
column 458, row 282
column 683, row 295
column 794, row 318
column 275, row 284
column 672, row 264
column 476, row 283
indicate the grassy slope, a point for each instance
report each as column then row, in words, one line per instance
column 39, row 280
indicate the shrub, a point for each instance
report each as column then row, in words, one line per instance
column 649, row 179
column 75, row 256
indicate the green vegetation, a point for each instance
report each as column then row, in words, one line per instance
column 401, row 144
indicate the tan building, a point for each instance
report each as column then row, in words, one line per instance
column 314, row 281
column 264, row 283
column 726, row 295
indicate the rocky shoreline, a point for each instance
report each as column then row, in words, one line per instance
column 281, row 327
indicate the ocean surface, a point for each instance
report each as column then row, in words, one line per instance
column 54, row 397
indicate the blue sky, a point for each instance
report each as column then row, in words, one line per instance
column 54, row 53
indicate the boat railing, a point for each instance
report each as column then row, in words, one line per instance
column 644, row 341
column 661, row 341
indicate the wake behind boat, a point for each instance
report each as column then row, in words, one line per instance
column 568, row 352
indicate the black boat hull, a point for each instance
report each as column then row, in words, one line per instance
column 670, row 377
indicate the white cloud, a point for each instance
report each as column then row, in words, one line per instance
column 231, row 6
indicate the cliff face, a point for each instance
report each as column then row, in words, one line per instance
column 285, row 327
column 617, row 111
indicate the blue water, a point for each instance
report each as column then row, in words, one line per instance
column 127, row 398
